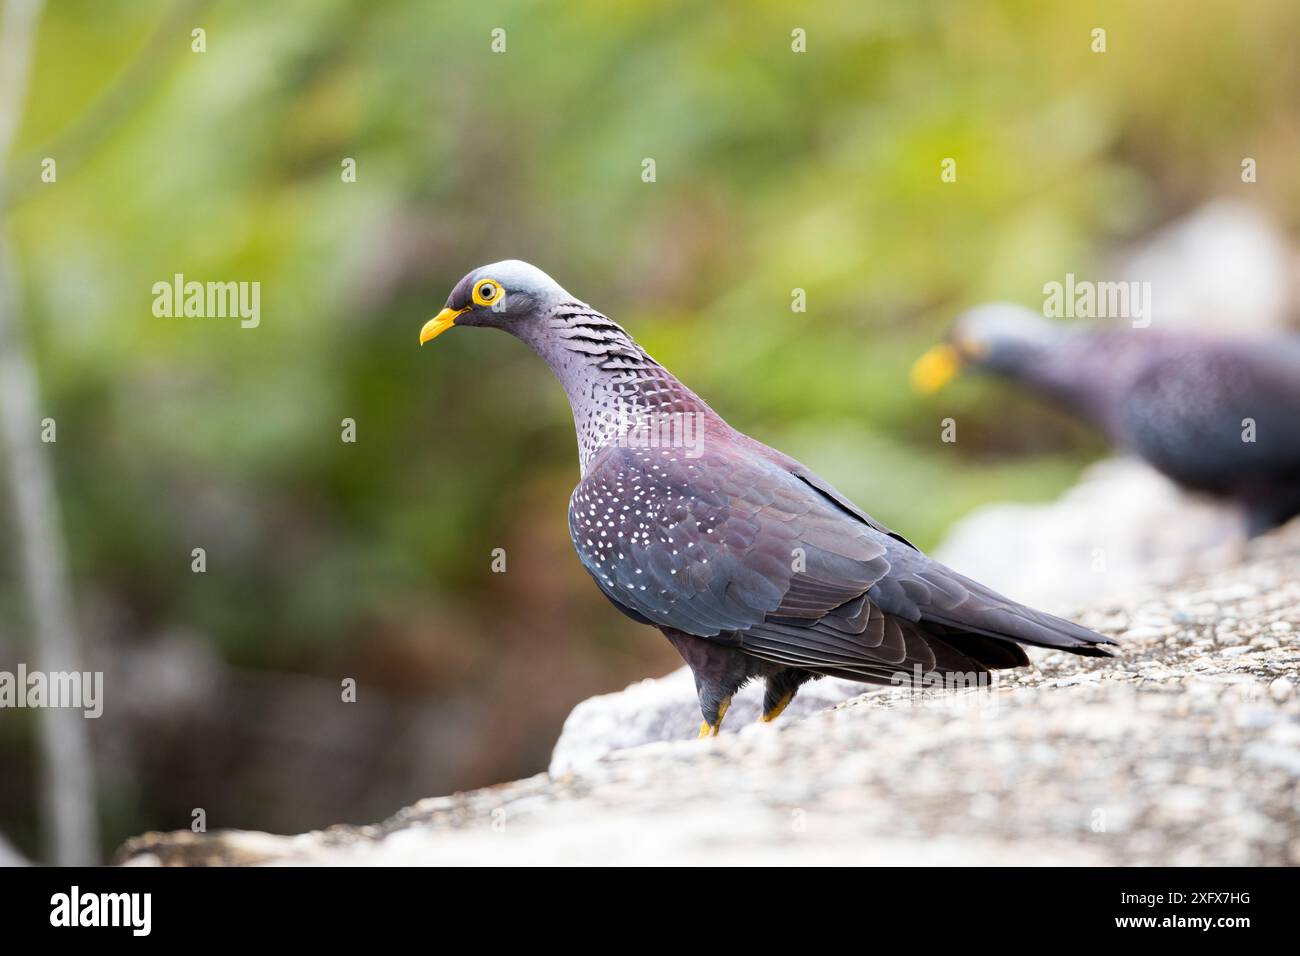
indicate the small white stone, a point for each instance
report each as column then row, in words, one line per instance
column 1281, row 690
column 1142, row 633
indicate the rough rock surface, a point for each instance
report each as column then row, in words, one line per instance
column 666, row 708
column 1122, row 529
column 1183, row 750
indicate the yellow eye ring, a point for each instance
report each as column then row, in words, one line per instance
column 487, row 292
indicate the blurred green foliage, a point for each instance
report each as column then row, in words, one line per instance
column 775, row 170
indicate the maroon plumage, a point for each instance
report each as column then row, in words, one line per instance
column 751, row 564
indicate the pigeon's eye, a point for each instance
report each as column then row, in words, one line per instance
column 487, row 292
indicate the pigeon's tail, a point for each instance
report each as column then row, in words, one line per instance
column 921, row 589
column 990, row 614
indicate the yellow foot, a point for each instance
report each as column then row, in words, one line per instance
column 775, row 712
column 711, row 730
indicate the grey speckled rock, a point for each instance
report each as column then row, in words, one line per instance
column 1183, row 751
column 1122, row 529
column 666, row 709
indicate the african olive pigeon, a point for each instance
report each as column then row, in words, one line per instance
column 748, row 562
column 1216, row 415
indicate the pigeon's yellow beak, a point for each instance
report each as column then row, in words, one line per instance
column 439, row 323
column 936, row 368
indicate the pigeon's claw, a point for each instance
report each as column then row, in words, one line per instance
column 773, row 712
column 708, row 729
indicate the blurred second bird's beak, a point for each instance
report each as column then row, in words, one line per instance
column 438, row 324
column 936, row 368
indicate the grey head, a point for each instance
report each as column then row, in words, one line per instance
column 1000, row 337
column 510, row 295
column 608, row 378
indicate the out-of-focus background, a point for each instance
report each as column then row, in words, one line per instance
column 372, row 560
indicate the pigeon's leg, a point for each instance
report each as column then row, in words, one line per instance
column 1263, row 513
column 715, row 689
column 781, row 688
column 719, row 669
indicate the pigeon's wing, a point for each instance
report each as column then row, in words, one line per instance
column 717, row 543
column 819, row 484
column 734, row 547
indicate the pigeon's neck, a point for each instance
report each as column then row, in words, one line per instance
column 619, row 394
column 1083, row 373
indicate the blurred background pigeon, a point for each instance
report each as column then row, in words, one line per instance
column 1215, row 414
